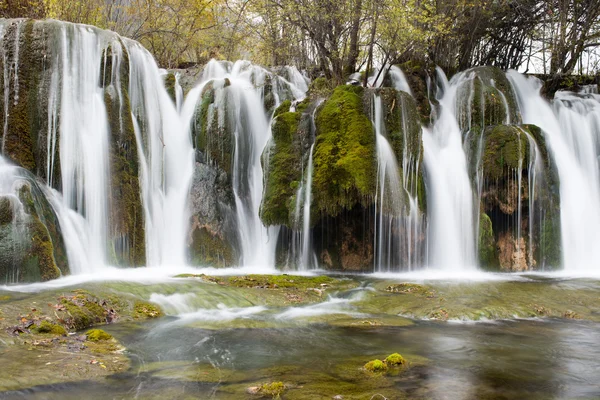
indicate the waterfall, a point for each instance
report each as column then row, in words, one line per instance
column 239, row 103
column 399, row 80
column 166, row 159
column 451, row 229
column 571, row 126
column 84, row 135
column 95, row 86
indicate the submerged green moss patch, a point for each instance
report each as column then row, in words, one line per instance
column 146, row 310
column 273, row 389
column 275, row 281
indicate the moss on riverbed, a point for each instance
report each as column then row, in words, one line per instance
column 488, row 300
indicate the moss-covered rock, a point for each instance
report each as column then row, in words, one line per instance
column 127, row 237
column 488, row 257
column 395, row 360
column 210, row 129
column 212, row 237
column 284, row 171
column 46, row 326
column 507, row 153
column 344, row 159
column 208, row 248
column 6, row 210
column 95, row 335
column 145, row 310
column 376, row 366
column 170, row 83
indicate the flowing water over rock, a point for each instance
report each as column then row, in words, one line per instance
column 571, row 126
column 450, row 196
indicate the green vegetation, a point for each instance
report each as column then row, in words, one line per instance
column 126, row 211
column 284, row 170
column 144, row 310
column 376, row 366
column 95, row 335
column 6, row 211
column 395, row 359
column 274, row 389
column 210, row 249
column 46, row 326
column 488, row 257
column 344, row 156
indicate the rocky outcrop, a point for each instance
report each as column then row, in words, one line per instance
column 212, row 237
column 35, row 53
column 31, row 244
column 514, row 167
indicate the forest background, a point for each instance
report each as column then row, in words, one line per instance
column 336, row 38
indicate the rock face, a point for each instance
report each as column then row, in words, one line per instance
column 212, row 237
column 31, row 243
column 518, row 197
column 34, row 60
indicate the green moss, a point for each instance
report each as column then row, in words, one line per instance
column 127, row 246
column 95, row 335
column 279, row 281
column 211, row 131
column 550, row 244
column 395, row 359
column 283, row 171
column 49, row 327
column 413, row 288
column 21, row 137
column 284, row 107
column 42, row 251
column 344, row 156
column 6, row 211
column 376, row 366
column 143, row 310
column 505, row 146
column 488, row 256
column 210, row 249
column 274, row 389
column 170, row 83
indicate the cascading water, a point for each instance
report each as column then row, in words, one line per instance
column 571, row 127
column 88, row 107
column 449, row 193
column 239, row 102
column 389, row 196
column 166, row 159
column 84, row 135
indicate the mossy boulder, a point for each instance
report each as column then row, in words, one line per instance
column 344, row 158
column 31, row 244
column 376, row 366
column 48, row 327
column 508, row 152
column 95, row 335
column 395, row 360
